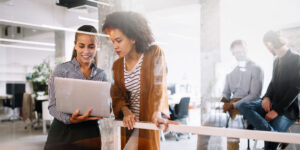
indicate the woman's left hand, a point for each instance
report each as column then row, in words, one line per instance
column 158, row 120
column 76, row 118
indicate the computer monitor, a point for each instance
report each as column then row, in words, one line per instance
column 17, row 90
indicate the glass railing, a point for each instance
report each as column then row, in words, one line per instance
column 292, row 138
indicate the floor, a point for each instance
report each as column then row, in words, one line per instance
column 13, row 136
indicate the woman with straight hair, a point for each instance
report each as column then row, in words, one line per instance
column 139, row 91
column 73, row 130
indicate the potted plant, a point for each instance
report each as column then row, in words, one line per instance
column 39, row 78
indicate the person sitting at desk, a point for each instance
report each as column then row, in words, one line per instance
column 68, row 129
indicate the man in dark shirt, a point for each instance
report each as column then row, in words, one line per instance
column 278, row 109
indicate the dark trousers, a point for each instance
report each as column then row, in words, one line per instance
column 84, row 135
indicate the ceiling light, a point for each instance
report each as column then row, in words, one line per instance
column 101, row 3
column 27, row 47
column 49, row 27
column 88, row 19
column 27, row 42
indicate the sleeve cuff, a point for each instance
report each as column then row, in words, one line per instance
column 66, row 119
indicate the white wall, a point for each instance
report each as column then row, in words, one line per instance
column 249, row 20
column 16, row 63
column 177, row 31
column 32, row 11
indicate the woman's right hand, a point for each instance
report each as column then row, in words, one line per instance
column 76, row 118
column 129, row 119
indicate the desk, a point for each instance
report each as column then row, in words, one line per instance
column 6, row 117
column 45, row 112
column 42, row 98
column 4, row 97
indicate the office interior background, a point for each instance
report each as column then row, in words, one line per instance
column 36, row 35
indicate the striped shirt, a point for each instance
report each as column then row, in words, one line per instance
column 132, row 84
column 70, row 69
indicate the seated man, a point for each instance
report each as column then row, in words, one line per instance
column 243, row 83
column 278, row 109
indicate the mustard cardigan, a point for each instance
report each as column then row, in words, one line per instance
column 153, row 95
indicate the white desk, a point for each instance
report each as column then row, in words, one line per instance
column 42, row 98
column 45, row 112
column 46, row 115
column 4, row 97
column 6, row 117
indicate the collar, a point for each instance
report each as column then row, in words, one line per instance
column 77, row 67
column 246, row 64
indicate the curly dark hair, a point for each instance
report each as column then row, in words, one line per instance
column 133, row 25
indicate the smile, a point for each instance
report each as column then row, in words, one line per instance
column 86, row 56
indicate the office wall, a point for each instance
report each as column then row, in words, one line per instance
column 16, row 63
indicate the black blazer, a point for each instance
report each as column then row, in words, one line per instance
column 285, row 85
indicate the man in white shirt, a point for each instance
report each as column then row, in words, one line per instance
column 243, row 83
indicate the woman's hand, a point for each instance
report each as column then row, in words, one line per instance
column 158, row 120
column 129, row 119
column 76, row 118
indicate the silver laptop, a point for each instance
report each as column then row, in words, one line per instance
column 72, row 94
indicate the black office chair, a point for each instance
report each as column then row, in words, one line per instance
column 181, row 110
column 17, row 90
column 180, row 113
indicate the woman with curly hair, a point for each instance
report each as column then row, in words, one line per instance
column 139, row 92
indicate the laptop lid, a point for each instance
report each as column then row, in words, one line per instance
column 72, row 94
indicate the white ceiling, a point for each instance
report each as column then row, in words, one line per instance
column 174, row 22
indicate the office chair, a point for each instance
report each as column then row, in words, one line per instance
column 180, row 113
column 17, row 90
column 28, row 110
